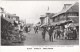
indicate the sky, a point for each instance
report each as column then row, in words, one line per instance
column 30, row 11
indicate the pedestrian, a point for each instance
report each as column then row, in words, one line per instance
column 51, row 33
column 62, row 33
column 43, row 33
column 26, row 29
column 74, row 32
column 36, row 29
column 58, row 33
column 54, row 33
column 65, row 33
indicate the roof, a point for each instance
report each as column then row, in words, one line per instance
column 51, row 14
column 42, row 17
column 12, row 15
column 47, row 14
column 75, row 20
column 9, row 20
column 72, row 8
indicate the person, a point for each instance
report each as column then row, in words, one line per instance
column 58, row 33
column 26, row 29
column 36, row 29
column 51, row 33
column 62, row 33
column 43, row 33
column 54, row 33
column 65, row 33
column 29, row 29
column 74, row 32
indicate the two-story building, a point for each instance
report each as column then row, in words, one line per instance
column 69, row 12
column 45, row 19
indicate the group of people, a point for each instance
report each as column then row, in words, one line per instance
column 49, row 30
column 59, row 32
column 56, row 32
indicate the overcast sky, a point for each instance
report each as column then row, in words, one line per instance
column 31, row 10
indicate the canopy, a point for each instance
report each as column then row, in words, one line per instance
column 44, row 25
column 61, row 23
column 65, row 22
column 73, row 25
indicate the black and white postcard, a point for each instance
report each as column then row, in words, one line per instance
column 50, row 25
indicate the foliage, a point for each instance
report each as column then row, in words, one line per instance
column 8, row 34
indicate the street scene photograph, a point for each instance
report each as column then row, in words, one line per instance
column 36, row 23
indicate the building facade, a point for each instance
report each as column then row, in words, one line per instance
column 42, row 19
column 69, row 12
column 46, row 19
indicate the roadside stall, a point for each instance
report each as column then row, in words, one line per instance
column 70, row 31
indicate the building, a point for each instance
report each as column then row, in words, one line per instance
column 2, row 12
column 7, row 16
column 46, row 19
column 69, row 12
column 42, row 19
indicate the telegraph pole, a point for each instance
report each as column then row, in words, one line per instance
column 47, row 14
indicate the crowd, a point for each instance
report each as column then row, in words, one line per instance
column 55, row 32
column 58, row 32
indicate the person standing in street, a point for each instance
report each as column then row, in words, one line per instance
column 43, row 33
column 36, row 29
column 58, row 33
column 26, row 29
column 50, row 31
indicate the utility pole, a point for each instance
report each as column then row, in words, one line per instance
column 47, row 15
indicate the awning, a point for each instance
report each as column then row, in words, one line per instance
column 73, row 25
column 61, row 22
column 37, row 25
column 65, row 22
column 54, row 23
column 43, row 25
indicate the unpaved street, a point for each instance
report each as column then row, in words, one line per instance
column 36, row 39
